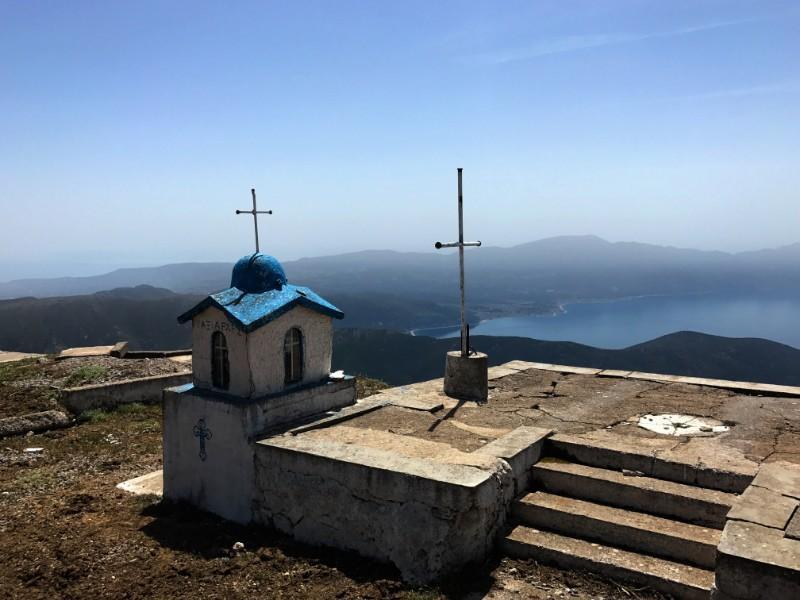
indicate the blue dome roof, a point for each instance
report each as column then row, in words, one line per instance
column 258, row 273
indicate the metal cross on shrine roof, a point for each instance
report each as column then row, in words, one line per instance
column 460, row 244
column 255, row 212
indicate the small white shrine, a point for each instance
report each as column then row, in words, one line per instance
column 261, row 359
column 265, row 434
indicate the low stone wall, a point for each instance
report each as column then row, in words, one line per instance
column 109, row 395
column 425, row 517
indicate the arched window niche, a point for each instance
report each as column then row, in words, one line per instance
column 293, row 356
column 220, row 365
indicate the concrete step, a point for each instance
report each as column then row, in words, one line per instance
column 620, row 452
column 667, row 577
column 618, row 527
column 687, row 503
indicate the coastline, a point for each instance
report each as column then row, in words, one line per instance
column 561, row 308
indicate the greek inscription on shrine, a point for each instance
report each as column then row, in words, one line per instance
column 210, row 325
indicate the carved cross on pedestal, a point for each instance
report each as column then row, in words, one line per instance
column 203, row 433
column 460, row 244
column 255, row 212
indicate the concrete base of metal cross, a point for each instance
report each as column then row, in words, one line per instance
column 466, row 377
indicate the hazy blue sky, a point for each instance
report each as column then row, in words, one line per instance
column 130, row 131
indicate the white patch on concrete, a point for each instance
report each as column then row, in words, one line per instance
column 673, row 424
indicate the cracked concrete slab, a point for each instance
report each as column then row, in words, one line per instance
column 760, row 427
column 781, row 477
column 792, row 530
column 763, row 507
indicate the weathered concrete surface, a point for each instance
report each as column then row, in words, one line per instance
column 757, row 562
column 781, row 477
column 16, row 356
column 119, row 349
column 183, row 359
column 109, row 395
column 151, row 484
column 726, row 469
column 763, row 507
column 417, row 404
column 35, row 422
column 401, row 445
column 645, row 494
column 762, row 427
column 522, row 365
column 427, row 517
column 618, row 527
column 466, row 377
column 675, row 579
column 209, row 441
column 793, row 527
column 759, row 557
column 521, row 448
column 85, row 351
column 500, row 371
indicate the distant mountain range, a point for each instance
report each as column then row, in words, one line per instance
column 400, row 359
column 382, row 290
column 146, row 318
column 533, row 277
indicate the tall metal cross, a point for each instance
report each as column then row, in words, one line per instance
column 255, row 212
column 460, row 244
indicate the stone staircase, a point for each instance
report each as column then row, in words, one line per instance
column 603, row 510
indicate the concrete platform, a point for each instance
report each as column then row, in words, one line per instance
column 413, row 477
column 604, row 407
column 594, row 415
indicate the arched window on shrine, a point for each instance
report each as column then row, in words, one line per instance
column 293, row 356
column 220, row 365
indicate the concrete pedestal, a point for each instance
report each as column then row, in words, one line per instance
column 467, row 377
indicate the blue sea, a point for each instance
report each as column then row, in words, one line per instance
column 622, row 323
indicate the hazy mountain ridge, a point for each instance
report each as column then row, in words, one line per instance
column 544, row 273
column 146, row 317
column 401, row 359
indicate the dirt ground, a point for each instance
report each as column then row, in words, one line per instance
column 32, row 385
column 67, row 532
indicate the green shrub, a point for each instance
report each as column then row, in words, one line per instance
column 85, row 375
column 94, row 415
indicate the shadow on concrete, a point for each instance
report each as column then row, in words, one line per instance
column 448, row 415
column 185, row 529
